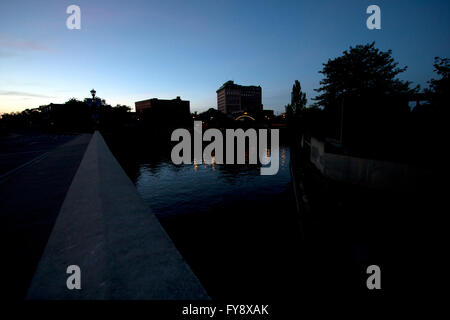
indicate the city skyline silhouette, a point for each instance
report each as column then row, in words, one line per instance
column 137, row 50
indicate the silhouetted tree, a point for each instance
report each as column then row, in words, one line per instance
column 363, row 71
column 298, row 101
column 429, row 119
column 213, row 117
column 289, row 111
column 74, row 115
column 121, row 108
column 298, row 98
column 294, row 112
column 440, row 88
column 365, row 104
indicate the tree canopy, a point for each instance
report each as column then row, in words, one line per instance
column 440, row 88
column 298, row 98
column 298, row 101
column 362, row 71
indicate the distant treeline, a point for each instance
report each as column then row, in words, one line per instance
column 72, row 116
column 85, row 116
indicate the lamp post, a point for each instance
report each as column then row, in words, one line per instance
column 94, row 106
column 93, row 92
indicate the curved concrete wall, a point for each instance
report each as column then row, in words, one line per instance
column 368, row 172
column 106, row 229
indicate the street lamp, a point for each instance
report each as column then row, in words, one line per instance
column 94, row 106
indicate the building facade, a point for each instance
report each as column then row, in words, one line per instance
column 175, row 105
column 234, row 98
column 175, row 111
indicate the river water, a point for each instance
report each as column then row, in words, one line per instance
column 238, row 230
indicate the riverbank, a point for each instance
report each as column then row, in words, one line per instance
column 348, row 227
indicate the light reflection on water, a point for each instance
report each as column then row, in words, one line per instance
column 234, row 227
column 172, row 190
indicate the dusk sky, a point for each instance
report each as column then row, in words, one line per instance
column 134, row 50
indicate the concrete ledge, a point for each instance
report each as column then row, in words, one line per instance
column 367, row 172
column 106, row 229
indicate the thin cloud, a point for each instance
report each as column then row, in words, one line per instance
column 22, row 94
column 24, row 45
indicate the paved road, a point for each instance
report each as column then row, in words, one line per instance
column 18, row 149
column 30, row 199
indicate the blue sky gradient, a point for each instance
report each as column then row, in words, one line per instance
column 133, row 50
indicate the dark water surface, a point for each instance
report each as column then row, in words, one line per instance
column 238, row 230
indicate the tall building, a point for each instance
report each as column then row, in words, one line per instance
column 234, row 98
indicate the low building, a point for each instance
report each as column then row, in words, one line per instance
column 234, row 98
column 175, row 111
column 50, row 107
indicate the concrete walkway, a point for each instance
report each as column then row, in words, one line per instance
column 18, row 149
column 106, row 229
column 30, row 199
